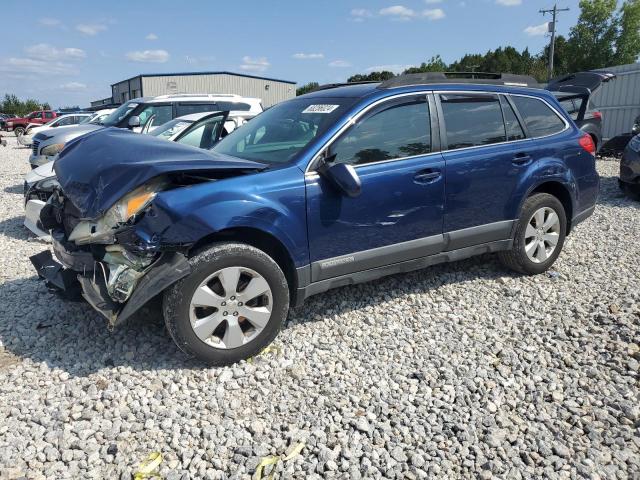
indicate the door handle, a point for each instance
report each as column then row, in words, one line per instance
column 427, row 176
column 521, row 159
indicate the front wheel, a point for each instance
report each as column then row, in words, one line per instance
column 230, row 307
column 19, row 131
column 540, row 235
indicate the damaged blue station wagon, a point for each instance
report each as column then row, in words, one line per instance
column 343, row 185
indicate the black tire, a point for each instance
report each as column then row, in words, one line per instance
column 517, row 258
column 18, row 131
column 177, row 300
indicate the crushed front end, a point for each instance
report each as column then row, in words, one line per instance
column 109, row 236
column 106, row 261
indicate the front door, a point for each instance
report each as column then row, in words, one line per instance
column 398, row 216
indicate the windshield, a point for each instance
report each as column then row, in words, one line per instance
column 118, row 114
column 89, row 119
column 170, row 128
column 278, row 134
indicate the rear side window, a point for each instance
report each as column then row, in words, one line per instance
column 569, row 104
column 540, row 119
column 47, row 115
column 189, row 108
column 472, row 120
column 514, row 129
column 399, row 130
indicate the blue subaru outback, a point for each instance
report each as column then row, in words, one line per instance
column 343, row 185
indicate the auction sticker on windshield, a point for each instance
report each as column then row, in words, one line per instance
column 320, row 108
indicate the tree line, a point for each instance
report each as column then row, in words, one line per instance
column 603, row 36
column 14, row 106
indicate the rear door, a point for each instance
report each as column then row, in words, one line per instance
column 486, row 157
column 398, row 215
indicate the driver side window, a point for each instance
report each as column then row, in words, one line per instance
column 398, row 129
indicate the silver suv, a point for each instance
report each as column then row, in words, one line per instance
column 138, row 113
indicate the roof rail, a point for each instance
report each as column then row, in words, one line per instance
column 328, row 86
column 481, row 78
column 187, row 95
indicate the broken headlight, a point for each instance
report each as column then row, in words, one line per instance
column 103, row 229
column 47, row 184
column 51, row 150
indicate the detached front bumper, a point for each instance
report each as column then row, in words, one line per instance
column 32, row 217
column 77, row 273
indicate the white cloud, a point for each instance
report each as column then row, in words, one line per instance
column 73, row 86
column 50, row 22
column 307, row 56
column 91, row 29
column 27, row 66
column 509, row 3
column 537, row 30
column 46, row 52
column 431, row 2
column 399, row 12
column 251, row 64
column 434, row 14
column 339, row 64
column 396, row 68
column 359, row 14
column 148, row 56
column 151, row 36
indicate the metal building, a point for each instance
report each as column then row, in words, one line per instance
column 619, row 100
column 270, row 90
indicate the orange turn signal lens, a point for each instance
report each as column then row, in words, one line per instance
column 137, row 203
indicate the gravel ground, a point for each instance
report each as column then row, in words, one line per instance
column 462, row 370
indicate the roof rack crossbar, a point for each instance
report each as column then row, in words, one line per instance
column 482, row 78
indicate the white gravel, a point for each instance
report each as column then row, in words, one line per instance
column 462, row 370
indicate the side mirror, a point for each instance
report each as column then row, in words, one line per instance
column 134, row 121
column 342, row 176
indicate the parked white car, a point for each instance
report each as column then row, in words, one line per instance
column 61, row 121
column 144, row 112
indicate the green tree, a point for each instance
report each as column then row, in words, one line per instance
column 435, row 64
column 628, row 39
column 592, row 39
column 307, row 88
column 12, row 104
column 372, row 77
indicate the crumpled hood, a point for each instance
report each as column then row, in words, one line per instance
column 99, row 168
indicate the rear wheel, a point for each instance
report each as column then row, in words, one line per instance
column 230, row 307
column 19, row 131
column 539, row 237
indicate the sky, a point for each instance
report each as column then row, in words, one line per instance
column 69, row 52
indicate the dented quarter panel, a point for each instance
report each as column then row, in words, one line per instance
column 273, row 201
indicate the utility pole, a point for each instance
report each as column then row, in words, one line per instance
column 552, row 28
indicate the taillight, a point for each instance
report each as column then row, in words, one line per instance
column 586, row 142
column 597, row 115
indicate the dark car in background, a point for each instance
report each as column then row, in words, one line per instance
column 574, row 91
column 630, row 168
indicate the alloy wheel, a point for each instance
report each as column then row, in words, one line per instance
column 231, row 307
column 542, row 234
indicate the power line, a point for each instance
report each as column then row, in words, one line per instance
column 552, row 28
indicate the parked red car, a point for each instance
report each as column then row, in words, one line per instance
column 19, row 125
